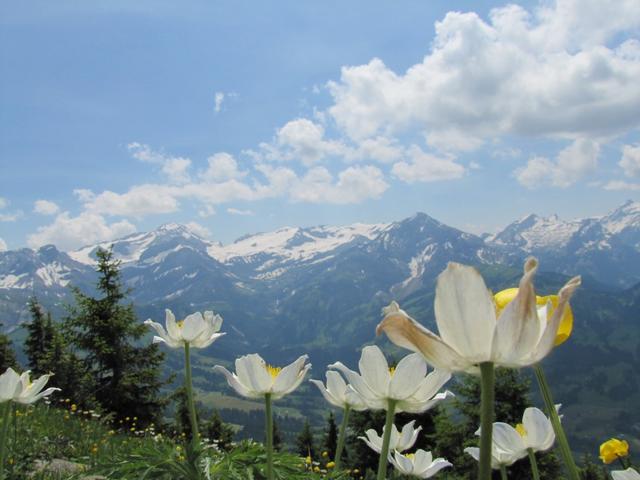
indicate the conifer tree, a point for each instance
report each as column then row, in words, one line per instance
column 218, row 431
column 40, row 333
column 108, row 335
column 304, row 442
column 7, row 355
column 330, row 439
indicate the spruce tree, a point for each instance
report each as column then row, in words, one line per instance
column 40, row 333
column 219, row 432
column 304, row 442
column 7, row 355
column 330, row 439
column 108, row 335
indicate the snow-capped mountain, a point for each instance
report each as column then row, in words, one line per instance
column 606, row 247
column 270, row 272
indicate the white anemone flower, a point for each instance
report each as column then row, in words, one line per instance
column 197, row 330
column 25, row 391
column 254, row 378
column 9, row 381
column 420, row 464
column 340, row 394
column 628, row 474
column 398, row 441
column 471, row 332
column 499, row 458
column 535, row 433
column 408, row 384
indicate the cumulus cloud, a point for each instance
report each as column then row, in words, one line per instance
column 426, row 167
column 630, row 161
column 45, row 207
column 176, row 169
column 572, row 163
column 139, row 201
column 222, row 166
column 542, row 73
column 3, row 245
column 353, row 185
column 68, row 233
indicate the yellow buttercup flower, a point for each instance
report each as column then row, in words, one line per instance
column 504, row 297
column 613, row 449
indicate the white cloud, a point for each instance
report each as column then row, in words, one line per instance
column 572, row 164
column 222, row 166
column 218, row 99
column 45, row 207
column 426, row 167
column 69, row 233
column 630, row 161
column 354, row 185
column 235, row 211
column 302, row 140
column 3, row 245
column 199, row 229
column 621, row 185
column 139, row 201
column 175, row 168
column 544, row 74
column 84, row 194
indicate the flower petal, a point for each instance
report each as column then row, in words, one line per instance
column 437, row 465
column 405, row 332
column 204, row 343
column 518, row 328
column 192, row 326
column 290, row 377
column 375, row 370
column 172, row 327
column 373, row 400
column 9, row 382
column 507, row 439
column 252, row 371
column 327, row 394
column 235, row 383
column 407, row 377
column 540, row 435
column 465, row 312
column 628, row 474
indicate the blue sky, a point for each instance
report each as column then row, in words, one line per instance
column 239, row 116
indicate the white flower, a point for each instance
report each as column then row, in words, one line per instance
column 498, row 457
column 25, row 391
column 196, row 330
column 628, row 474
column 339, row 393
column 397, row 441
column 420, row 464
column 254, row 378
column 407, row 384
column 535, row 432
column 471, row 332
column 9, row 381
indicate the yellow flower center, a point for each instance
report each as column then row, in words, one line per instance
column 273, row 371
column 392, row 370
column 410, row 456
column 180, row 324
column 521, row 430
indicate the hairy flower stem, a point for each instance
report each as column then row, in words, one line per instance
column 341, row 437
column 534, row 464
column 503, row 472
column 563, row 443
column 195, row 436
column 268, row 415
column 6, row 410
column 487, row 398
column 384, row 453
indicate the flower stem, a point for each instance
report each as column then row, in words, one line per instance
column 384, row 453
column 534, row 464
column 563, row 443
column 195, row 436
column 487, row 398
column 503, row 472
column 268, row 415
column 341, row 437
column 6, row 410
